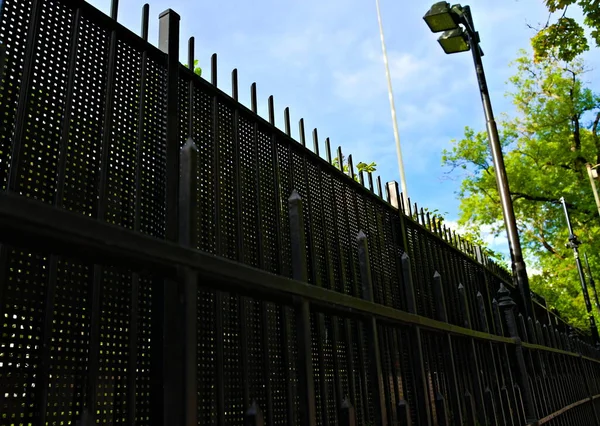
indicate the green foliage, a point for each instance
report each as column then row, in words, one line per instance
column 565, row 39
column 546, row 148
column 360, row 167
column 197, row 69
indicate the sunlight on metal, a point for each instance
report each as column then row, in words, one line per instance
column 440, row 17
column 454, row 41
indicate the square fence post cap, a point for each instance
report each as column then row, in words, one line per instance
column 170, row 12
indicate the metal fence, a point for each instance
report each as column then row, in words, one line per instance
column 168, row 257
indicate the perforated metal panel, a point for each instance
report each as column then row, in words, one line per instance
column 13, row 34
column 83, row 120
column 23, row 308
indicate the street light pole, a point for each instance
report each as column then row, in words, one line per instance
column 574, row 244
column 592, row 282
column 516, row 254
column 442, row 17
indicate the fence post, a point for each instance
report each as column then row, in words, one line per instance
column 472, row 356
column 372, row 336
column 418, row 365
column 347, row 414
column 442, row 315
column 254, row 416
column 299, row 271
column 171, row 380
column 507, row 305
column 188, row 210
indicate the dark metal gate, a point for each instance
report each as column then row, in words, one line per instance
column 168, row 257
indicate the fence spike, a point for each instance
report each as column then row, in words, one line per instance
column 547, row 338
column 531, row 331
column 114, row 9
column 379, row 187
column 213, row 69
column 557, row 339
column 422, row 217
column 271, row 105
column 361, row 178
column 351, row 167
column 388, row 192
column 497, row 318
column 191, row 53
column 428, row 221
column 490, row 406
column 482, row 313
column 522, row 327
column 328, row 150
column 253, row 98
column 416, row 212
column 470, row 407
column 409, row 290
column 286, row 120
column 347, row 415
column 404, row 413
column 408, row 207
column 145, row 21
column 234, row 84
column 393, row 194
column 438, row 296
column 539, row 334
column 315, row 141
column 370, row 178
column 301, row 131
column 441, row 410
column 464, row 305
column 340, row 157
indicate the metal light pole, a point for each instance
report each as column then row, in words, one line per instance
column 592, row 282
column 590, row 170
column 440, row 18
column 393, row 109
column 574, row 244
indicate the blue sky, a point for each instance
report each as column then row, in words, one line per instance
column 322, row 58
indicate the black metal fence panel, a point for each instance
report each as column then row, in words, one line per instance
column 335, row 305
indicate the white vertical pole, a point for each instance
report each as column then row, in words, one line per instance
column 393, row 109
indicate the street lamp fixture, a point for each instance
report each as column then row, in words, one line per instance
column 459, row 36
column 454, row 41
column 441, row 18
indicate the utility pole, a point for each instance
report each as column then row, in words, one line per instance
column 393, row 109
column 574, row 243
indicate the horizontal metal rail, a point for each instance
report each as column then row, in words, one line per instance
column 38, row 226
column 567, row 408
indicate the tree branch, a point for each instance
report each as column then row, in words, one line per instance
column 540, row 198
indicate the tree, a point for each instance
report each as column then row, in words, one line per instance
column 565, row 38
column 546, row 148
